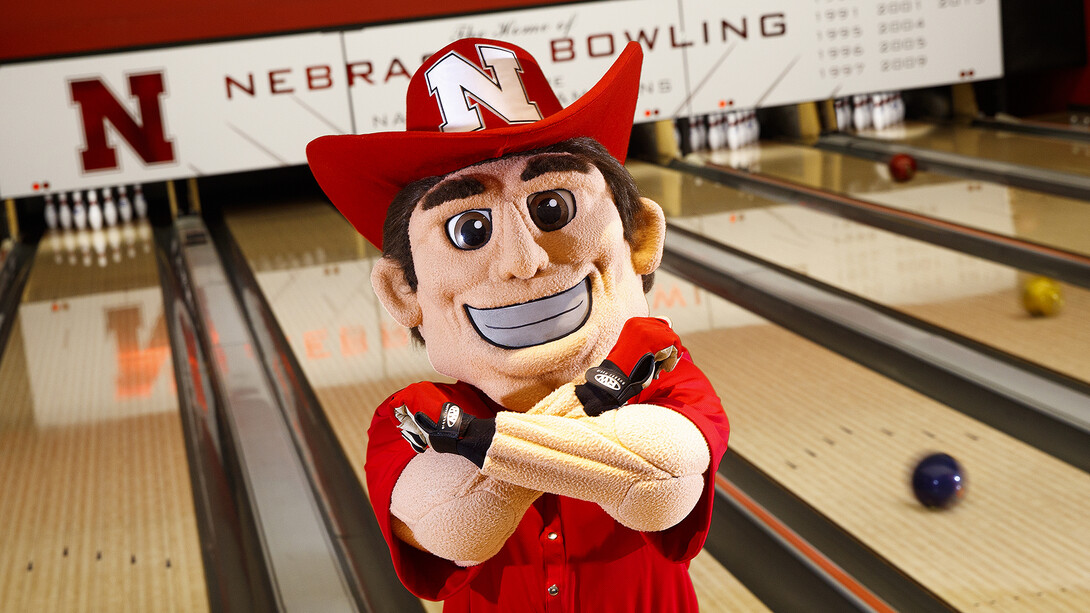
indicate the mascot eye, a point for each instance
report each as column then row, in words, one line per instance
column 551, row 210
column 471, row 229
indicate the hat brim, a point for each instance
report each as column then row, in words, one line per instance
column 361, row 173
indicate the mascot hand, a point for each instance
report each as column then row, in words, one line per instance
column 647, row 347
column 456, row 432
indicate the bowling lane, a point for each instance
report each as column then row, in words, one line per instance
column 972, row 297
column 998, row 145
column 1028, row 215
column 97, row 512
column 315, row 272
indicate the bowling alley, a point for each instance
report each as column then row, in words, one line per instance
column 611, row 306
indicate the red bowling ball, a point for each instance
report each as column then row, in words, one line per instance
column 902, row 167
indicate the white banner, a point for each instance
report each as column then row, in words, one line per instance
column 228, row 107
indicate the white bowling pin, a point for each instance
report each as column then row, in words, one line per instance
column 733, row 134
column 715, row 134
column 755, row 126
column 124, row 206
column 109, row 208
column 50, row 212
column 94, row 211
column 79, row 212
column 139, row 204
column 64, row 213
column 859, row 113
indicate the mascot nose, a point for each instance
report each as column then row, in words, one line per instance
column 521, row 257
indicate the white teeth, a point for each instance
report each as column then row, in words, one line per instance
column 536, row 322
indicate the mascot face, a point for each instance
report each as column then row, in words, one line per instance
column 524, row 275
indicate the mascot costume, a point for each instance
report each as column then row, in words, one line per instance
column 570, row 466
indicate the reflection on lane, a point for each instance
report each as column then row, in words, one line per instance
column 315, row 272
column 1032, row 216
column 970, row 296
column 98, row 512
column 844, row 439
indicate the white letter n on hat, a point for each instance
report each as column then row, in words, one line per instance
column 459, row 87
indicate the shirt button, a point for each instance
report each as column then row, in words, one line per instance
column 553, row 590
column 552, row 536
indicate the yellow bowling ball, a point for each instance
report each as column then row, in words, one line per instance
column 1042, row 297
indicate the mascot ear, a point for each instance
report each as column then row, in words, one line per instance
column 394, row 292
column 647, row 241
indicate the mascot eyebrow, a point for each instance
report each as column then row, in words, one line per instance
column 452, row 189
column 556, row 162
column 464, row 187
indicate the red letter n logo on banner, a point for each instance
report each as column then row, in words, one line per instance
column 144, row 133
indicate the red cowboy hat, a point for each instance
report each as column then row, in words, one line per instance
column 474, row 100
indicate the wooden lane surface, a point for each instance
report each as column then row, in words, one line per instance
column 97, row 511
column 279, row 239
column 972, row 297
column 844, row 439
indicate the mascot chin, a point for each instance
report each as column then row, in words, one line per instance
column 570, row 466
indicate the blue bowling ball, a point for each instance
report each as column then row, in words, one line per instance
column 938, row 481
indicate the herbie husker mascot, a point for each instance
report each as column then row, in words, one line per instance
column 570, row 468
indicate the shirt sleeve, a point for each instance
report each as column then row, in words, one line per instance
column 687, row 391
column 425, row 575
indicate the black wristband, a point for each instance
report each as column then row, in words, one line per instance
column 594, row 399
column 476, row 441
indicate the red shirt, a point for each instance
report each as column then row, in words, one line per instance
column 595, row 563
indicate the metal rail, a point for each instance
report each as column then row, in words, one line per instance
column 303, row 565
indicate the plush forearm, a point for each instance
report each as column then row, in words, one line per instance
column 445, row 506
column 643, row 464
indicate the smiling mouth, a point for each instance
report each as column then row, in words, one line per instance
column 536, row 322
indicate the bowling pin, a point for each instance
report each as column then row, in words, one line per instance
column 63, row 212
column 733, row 135
column 124, row 206
column 79, row 212
column 715, row 133
column 50, row 212
column 94, row 211
column 138, row 203
column 109, row 208
column 859, row 113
